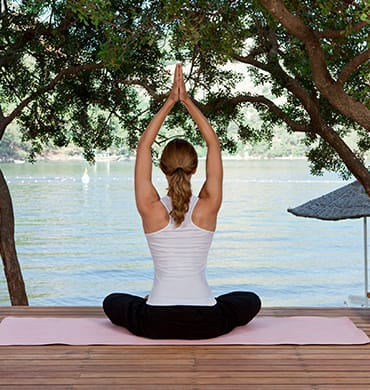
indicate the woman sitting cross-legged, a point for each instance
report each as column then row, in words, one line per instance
column 179, row 229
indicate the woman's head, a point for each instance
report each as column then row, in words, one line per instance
column 178, row 162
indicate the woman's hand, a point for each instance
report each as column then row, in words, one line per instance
column 174, row 93
column 183, row 95
column 178, row 90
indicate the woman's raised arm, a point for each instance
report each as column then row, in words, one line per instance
column 145, row 192
column 212, row 187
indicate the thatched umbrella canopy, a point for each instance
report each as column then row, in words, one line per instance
column 349, row 201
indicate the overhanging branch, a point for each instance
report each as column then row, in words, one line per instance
column 340, row 34
column 351, row 66
column 289, row 83
column 327, row 86
column 146, row 86
column 294, row 125
column 65, row 72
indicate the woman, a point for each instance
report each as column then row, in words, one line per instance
column 179, row 229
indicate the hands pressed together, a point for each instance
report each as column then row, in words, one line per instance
column 178, row 91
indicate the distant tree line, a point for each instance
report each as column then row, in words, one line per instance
column 283, row 144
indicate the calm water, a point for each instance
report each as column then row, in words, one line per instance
column 77, row 243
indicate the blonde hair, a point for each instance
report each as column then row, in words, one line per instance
column 178, row 161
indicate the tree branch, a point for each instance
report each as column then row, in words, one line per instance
column 145, row 85
column 5, row 10
column 332, row 91
column 26, row 37
column 350, row 67
column 250, row 60
column 340, row 34
column 68, row 71
column 295, row 126
column 352, row 162
column 36, row 32
column 291, row 84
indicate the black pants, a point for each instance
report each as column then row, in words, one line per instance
column 182, row 322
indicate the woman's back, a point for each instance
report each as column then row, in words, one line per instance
column 180, row 259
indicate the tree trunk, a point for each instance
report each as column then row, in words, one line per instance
column 13, row 274
column 333, row 91
column 357, row 168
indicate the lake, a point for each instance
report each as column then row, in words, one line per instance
column 79, row 242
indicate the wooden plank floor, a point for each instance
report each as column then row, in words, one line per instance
column 186, row 367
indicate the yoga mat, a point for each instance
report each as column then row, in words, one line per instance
column 100, row 331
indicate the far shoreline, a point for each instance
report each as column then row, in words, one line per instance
column 61, row 157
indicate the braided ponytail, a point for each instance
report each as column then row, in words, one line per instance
column 179, row 190
column 178, row 161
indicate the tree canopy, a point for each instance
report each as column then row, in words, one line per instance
column 75, row 71
column 55, row 82
column 256, row 39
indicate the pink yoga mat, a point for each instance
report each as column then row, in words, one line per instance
column 99, row 331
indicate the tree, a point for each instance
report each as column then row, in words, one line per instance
column 211, row 34
column 332, row 89
column 67, row 69
column 73, row 71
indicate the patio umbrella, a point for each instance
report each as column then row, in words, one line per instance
column 349, row 201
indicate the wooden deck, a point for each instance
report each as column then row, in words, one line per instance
column 186, row 367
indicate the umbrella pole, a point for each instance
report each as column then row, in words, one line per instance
column 366, row 260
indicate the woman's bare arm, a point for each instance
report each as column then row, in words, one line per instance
column 145, row 192
column 212, row 188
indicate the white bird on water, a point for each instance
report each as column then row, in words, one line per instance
column 85, row 177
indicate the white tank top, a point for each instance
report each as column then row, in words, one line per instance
column 180, row 259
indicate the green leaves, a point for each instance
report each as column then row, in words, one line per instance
column 121, row 53
column 92, row 13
